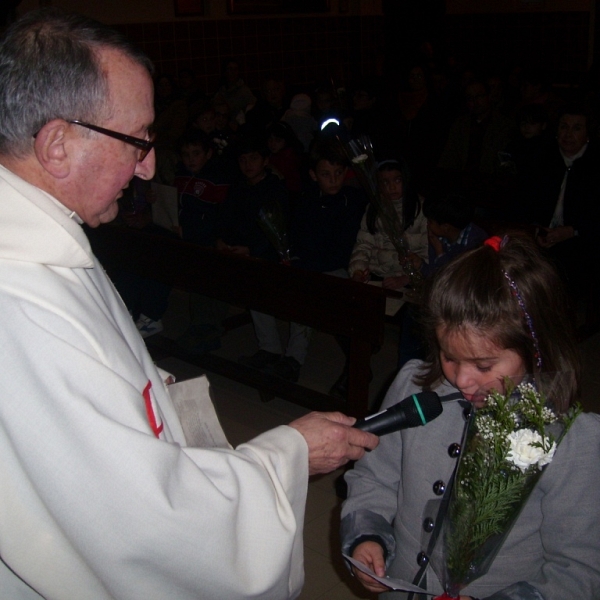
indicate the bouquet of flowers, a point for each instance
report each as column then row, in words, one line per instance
column 509, row 443
column 272, row 222
column 360, row 155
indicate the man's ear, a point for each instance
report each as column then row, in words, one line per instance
column 312, row 174
column 51, row 149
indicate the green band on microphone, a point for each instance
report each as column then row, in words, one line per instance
column 416, row 401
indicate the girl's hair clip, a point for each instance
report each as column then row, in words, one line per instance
column 496, row 242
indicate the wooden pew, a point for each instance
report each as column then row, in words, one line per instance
column 329, row 304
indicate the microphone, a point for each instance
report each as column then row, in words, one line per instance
column 413, row 411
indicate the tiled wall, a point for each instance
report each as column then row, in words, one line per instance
column 307, row 49
column 301, row 50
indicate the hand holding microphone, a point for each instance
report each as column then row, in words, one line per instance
column 413, row 411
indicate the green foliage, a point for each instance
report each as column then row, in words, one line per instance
column 490, row 488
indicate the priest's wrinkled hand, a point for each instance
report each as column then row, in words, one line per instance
column 332, row 441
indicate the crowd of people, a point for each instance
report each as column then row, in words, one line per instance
column 454, row 154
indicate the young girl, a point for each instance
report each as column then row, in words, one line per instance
column 494, row 312
column 374, row 253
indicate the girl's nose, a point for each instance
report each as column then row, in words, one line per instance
column 465, row 380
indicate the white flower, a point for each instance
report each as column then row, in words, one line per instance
column 523, row 454
column 361, row 158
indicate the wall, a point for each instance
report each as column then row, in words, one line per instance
column 303, row 49
column 148, row 11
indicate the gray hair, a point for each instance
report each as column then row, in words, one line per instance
column 49, row 70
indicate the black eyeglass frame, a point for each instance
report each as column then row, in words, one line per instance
column 144, row 145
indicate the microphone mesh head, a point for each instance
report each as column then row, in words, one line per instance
column 429, row 405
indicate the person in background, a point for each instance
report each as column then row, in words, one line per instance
column 102, row 497
column 202, row 187
column 299, row 118
column 286, row 155
column 324, row 225
column 269, row 107
column 450, row 228
column 374, row 254
column 450, row 232
column 235, row 92
column 562, row 199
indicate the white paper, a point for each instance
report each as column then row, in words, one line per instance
column 165, row 211
column 394, row 584
column 392, row 304
column 197, row 413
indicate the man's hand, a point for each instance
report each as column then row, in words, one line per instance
column 332, row 441
column 370, row 554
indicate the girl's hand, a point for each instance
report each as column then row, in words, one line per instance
column 240, row 250
column 361, row 276
column 434, row 242
column 395, row 283
column 415, row 260
column 227, row 249
column 371, row 555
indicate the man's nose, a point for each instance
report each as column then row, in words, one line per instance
column 146, row 168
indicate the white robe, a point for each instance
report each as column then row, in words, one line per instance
column 95, row 503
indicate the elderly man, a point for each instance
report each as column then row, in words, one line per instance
column 99, row 496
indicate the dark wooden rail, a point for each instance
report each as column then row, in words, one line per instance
column 329, row 304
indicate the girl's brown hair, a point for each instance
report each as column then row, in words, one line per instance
column 473, row 292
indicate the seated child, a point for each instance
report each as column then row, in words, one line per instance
column 238, row 232
column 202, row 186
column 451, row 230
column 497, row 311
column 450, row 233
column 146, row 299
column 323, row 228
column 286, row 155
column 326, row 221
column 374, row 255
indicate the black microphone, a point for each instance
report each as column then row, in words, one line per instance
column 413, row 411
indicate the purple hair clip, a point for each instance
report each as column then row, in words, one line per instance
column 528, row 319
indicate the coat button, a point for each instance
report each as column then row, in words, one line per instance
column 454, row 450
column 428, row 524
column 422, row 559
column 439, row 487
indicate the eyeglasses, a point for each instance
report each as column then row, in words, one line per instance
column 145, row 146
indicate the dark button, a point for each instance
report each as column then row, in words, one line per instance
column 439, row 487
column 467, row 412
column 454, row 450
column 422, row 559
column 428, row 524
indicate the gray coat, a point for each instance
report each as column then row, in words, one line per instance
column 553, row 550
